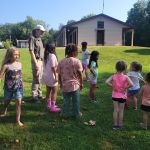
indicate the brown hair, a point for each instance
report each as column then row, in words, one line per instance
column 121, row 66
column 147, row 77
column 70, row 48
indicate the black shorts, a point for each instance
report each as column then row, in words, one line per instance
column 120, row 100
column 145, row 108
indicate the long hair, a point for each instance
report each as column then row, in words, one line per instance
column 9, row 55
column 49, row 48
column 94, row 57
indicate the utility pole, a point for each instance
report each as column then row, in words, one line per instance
column 103, row 7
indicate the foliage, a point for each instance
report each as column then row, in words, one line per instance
column 44, row 130
column 88, row 16
column 139, row 18
column 7, row 44
column 22, row 30
column 70, row 21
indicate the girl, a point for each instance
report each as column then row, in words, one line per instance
column 119, row 83
column 145, row 95
column 70, row 77
column 93, row 66
column 85, row 59
column 135, row 76
column 49, row 77
column 13, row 86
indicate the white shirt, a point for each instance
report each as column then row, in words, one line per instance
column 134, row 76
column 85, row 56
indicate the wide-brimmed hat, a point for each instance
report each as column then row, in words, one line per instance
column 39, row 27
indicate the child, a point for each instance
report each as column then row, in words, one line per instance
column 119, row 83
column 93, row 66
column 49, row 77
column 85, row 60
column 13, row 86
column 145, row 95
column 135, row 76
column 70, row 77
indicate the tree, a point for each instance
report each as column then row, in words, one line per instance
column 70, row 21
column 88, row 16
column 137, row 18
column 23, row 30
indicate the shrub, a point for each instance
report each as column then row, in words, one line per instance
column 7, row 44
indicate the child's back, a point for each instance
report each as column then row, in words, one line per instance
column 69, row 68
column 119, row 85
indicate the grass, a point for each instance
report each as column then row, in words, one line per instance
column 44, row 130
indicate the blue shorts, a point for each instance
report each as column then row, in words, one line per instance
column 8, row 95
column 133, row 92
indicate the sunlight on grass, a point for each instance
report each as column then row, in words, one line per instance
column 44, row 130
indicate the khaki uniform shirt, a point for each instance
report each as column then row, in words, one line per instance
column 36, row 45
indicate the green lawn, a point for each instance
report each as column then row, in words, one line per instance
column 45, row 131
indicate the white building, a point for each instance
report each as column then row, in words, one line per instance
column 22, row 43
column 96, row 30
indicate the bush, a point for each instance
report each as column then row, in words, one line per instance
column 7, row 44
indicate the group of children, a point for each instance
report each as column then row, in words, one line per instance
column 68, row 72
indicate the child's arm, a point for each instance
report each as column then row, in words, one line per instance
column 130, row 83
column 80, row 79
column 109, row 81
column 59, row 78
column 92, row 71
column 141, row 92
column 3, row 70
column 54, row 72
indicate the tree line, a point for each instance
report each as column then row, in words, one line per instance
column 138, row 18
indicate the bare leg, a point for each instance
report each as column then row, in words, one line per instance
column 92, row 91
column 115, row 113
column 18, row 112
column 4, row 111
column 128, row 102
column 48, row 96
column 135, row 102
column 121, row 112
column 54, row 93
column 145, row 118
column 48, row 92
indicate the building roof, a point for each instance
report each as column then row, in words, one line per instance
column 93, row 17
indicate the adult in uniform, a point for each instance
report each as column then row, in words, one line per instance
column 37, row 52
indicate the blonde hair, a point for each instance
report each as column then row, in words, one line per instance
column 9, row 55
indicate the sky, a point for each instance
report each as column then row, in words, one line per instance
column 56, row 12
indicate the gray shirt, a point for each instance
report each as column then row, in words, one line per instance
column 36, row 45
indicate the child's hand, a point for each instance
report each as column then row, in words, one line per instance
column 81, row 86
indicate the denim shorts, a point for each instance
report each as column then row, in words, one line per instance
column 8, row 95
column 133, row 92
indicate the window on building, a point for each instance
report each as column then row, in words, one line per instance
column 100, row 24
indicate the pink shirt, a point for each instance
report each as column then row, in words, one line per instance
column 119, row 83
column 68, row 69
column 48, row 77
column 145, row 93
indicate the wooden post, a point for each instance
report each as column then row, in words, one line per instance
column 132, row 38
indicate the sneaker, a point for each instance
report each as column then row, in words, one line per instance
column 120, row 127
column 36, row 99
column 143, row 126
column 93, row 101
column 55, row 109
column 115, row 127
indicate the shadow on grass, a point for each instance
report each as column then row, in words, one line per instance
column 142, row 51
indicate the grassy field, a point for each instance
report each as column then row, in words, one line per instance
column 45, row 131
